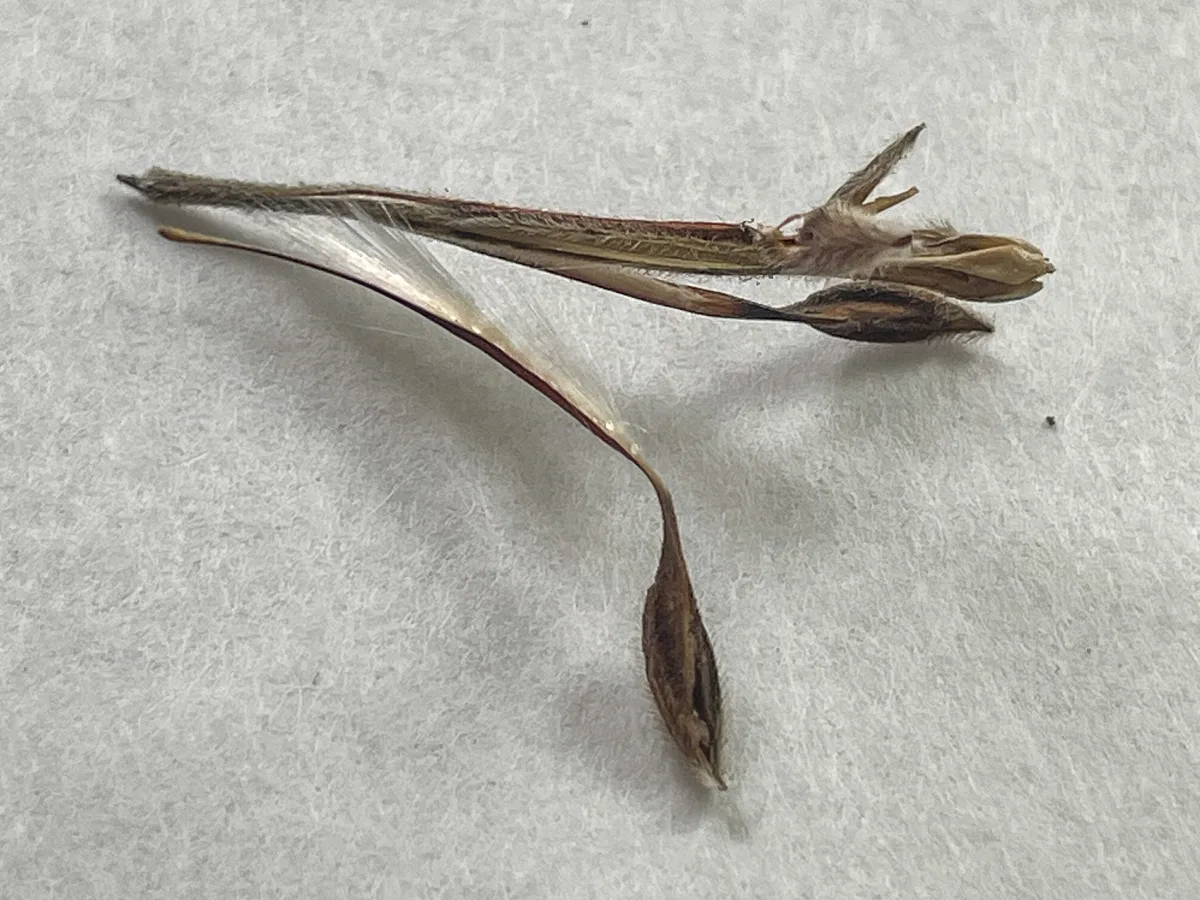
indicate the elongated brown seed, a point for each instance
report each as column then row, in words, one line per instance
column 681, row 668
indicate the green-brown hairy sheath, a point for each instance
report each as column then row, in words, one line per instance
column 842, row 238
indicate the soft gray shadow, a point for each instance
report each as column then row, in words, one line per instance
column 868, row 361
column 610, row 722
column 741, row 384
column 795, row 493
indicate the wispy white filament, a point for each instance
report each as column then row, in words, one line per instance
column 391, row 259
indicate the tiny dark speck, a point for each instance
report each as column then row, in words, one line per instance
column 1051, row 421
column 586, row 22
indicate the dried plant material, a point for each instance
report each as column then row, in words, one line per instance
column 842, row 238
column 948, row 319
column 680, row 665
column 972, row 266
column 882, row 312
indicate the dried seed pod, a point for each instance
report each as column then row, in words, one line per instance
column 842, row 238
column 883, row 312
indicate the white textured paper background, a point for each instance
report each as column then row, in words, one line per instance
column 291, row 606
